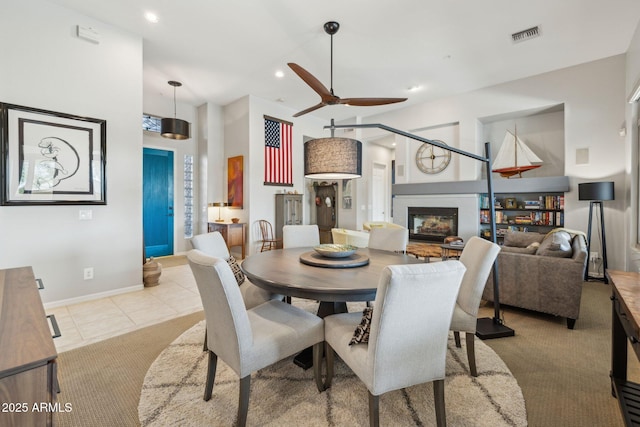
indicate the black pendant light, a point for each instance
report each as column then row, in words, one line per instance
column 174, row 128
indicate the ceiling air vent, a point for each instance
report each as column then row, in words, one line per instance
column 525, row 35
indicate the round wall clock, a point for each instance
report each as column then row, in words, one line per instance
column 431, row 159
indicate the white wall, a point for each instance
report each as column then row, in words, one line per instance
column 44, row 65
column 244, row 135
column 593, row 95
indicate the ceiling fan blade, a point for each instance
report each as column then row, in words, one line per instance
column 311, row 81
column 310, row 109
column 367, row 102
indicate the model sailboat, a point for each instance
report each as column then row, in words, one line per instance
column 515, row 157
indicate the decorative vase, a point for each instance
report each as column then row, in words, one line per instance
column 151, row 271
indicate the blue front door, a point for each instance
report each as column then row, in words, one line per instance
column 157, row 205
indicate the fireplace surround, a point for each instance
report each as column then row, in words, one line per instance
column 432, row 224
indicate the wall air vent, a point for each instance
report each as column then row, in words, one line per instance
column 525, row 35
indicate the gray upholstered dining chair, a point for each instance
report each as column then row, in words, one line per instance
column 478, row 257
column 408, row 334
column 389, row 239
column 249, row 340
column 297, row 236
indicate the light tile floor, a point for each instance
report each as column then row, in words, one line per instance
column 89, row 322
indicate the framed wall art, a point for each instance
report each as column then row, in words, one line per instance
column 51, row 158
column 235, row 182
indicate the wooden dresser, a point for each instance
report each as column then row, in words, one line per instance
column 233, row 233
column 27, row 353
column 625, row 327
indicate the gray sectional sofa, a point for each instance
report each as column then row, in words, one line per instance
column 542, row 272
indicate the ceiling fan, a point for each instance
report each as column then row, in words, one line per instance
column 326, row 95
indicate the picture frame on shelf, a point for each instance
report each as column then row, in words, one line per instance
column 510, row 203
column 51, row 158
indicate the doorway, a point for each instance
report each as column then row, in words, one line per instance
column 326, row 211
column 157, row 202
column 379, row 192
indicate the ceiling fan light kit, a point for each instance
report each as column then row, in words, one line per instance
column 327, row 97
column 174, row 128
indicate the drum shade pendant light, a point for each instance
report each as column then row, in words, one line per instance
column 332, row 158
column 174, row 128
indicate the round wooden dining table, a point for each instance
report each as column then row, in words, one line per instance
column 282, row 272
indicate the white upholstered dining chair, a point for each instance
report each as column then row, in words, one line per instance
column 213, row 244
column 297, row 236
column 389, row 239
column 478, row 257
column 408, row 333
column 249, row 340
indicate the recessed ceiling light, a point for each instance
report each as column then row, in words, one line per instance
column 279, row 74
column 414, row 88
column 151, row 17
column 393, row 144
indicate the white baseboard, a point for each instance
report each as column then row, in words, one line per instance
column 91, row 297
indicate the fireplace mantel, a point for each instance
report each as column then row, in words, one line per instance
column 515, row 185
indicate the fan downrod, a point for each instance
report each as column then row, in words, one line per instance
column 331, row 27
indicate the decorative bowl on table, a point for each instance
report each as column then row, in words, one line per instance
column 332, row 250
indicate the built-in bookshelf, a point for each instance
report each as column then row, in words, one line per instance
column 535, row 212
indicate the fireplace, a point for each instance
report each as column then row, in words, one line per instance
column 432, row 224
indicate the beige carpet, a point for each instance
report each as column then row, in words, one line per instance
column 563, row 374
column 286, row 395
column 102, row 381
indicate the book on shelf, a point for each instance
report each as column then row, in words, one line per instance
column 552, row 202
column 532, row 204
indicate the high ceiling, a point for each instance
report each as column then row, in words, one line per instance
column 224, row 50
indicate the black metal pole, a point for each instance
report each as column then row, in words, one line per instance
column 604, row 245
column 586, row 270
column 492, row 328
column 494, row 232
column 486, row 328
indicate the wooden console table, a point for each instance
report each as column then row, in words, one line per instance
column 28, row 355
column 625, row 326
column 233, row 233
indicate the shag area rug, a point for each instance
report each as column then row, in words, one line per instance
column 286, row 395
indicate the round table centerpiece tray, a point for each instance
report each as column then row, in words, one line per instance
column 314, row 259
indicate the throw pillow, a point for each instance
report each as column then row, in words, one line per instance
column 557, row 244
column 361, row 334
column 235, row 267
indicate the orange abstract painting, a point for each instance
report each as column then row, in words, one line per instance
column 234, row 182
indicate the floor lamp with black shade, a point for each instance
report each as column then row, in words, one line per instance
column 486, row 328
column 596, row 193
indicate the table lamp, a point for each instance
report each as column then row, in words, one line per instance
column 219, row 205
column 596, row 193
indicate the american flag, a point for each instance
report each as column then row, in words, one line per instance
column 277, row 152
